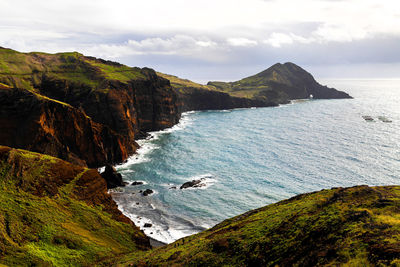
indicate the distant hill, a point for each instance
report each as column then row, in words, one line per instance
column 276, row 85
column 281, row 82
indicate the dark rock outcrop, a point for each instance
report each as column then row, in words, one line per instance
column 147, row 192
column 112, row 177
column 193, row 183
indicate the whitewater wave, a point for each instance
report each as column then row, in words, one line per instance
column 148, row 145
column 166, row 232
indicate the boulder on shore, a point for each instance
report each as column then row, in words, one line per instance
column 112, row 177
column 147, row 192
column 193, row 183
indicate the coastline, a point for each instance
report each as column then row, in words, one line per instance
column 145, row 147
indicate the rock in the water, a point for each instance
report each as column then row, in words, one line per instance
column 193, row 183
column 147, row 192
column 136, row 183
column 112, row 177
column 173, row 187
column 147, row 225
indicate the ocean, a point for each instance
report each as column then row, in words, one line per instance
column 249, row 158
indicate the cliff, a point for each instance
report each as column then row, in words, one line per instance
column 356, row 226
column 90, row 110
column 38, row 123
column 54, row 213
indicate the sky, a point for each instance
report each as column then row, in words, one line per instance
column 215, row 39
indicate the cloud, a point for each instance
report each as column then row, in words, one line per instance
column 218, row 33
column 201, row 48
column 241, row 42
column 278, row 39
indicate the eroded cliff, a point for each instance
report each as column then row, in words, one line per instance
column 81, row 109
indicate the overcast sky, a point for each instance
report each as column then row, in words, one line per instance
column 215, row 39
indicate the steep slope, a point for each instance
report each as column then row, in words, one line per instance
column 127, row 101
column 53, row 213
column 280, row 82
column 358, row 226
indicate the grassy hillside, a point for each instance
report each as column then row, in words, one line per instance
column 357, row 226
column 182, row 84
column 25, row 70
column 53, row 213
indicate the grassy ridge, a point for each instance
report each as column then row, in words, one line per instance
column 182, row 85
column 42, row 220
column 25, row 70
column 357, row 226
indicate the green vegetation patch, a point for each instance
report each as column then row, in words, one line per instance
column 27, row 70
column 180, row 84
column 357, row 226
column 42, row 223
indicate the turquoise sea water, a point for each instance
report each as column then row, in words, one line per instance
column 253, row 157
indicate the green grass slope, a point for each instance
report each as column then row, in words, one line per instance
column 182, row 85
column 50, row 217
column 358, row 226
column 26, row 70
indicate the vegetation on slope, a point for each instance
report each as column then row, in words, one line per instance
column 182, row 84
column 358, row 226
column 26, row 70
column 53, row 213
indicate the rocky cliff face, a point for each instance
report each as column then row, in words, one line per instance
column 40, row 124
column 54, row 213
column 81, row 109
column 199, row 99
